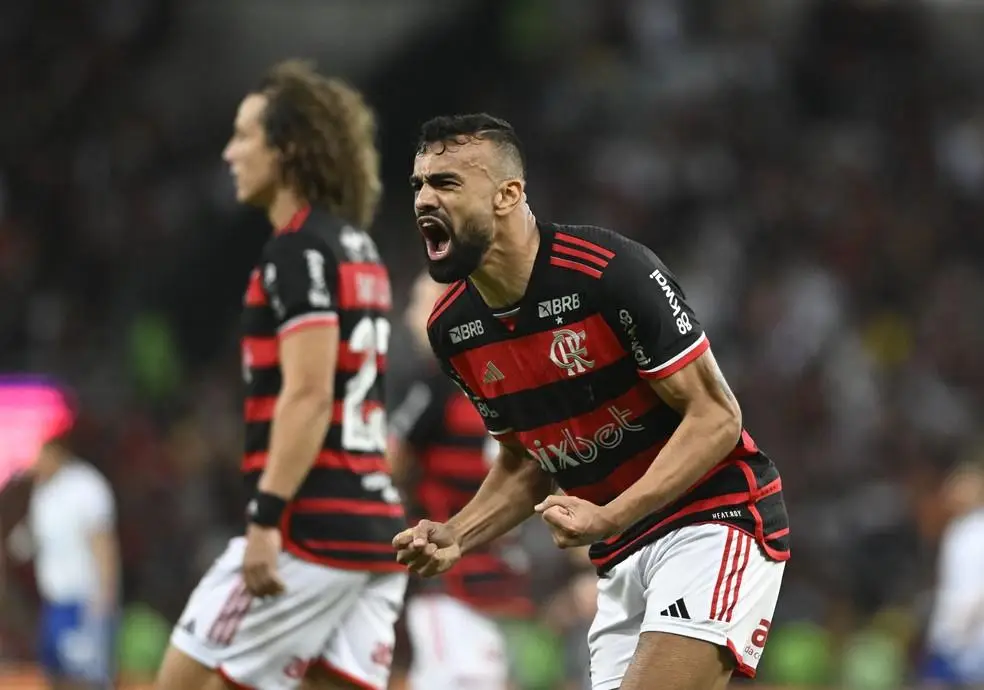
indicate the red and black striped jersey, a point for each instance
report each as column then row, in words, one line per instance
column 566, row 373
column 318, row 270
column 452, row 451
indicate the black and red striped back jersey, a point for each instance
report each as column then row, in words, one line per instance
column 452, row 453
column 318, row 270
column 566, row 373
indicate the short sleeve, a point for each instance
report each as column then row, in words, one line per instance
column 494, row 419
column 97, row 505
column 648, row 310
column 300, row 276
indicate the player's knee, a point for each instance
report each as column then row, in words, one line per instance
column 681, row 663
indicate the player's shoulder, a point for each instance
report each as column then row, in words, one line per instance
column 592, row 246
column 321, row 231
column 601, row 253
column 602, row 242
column 86, row 478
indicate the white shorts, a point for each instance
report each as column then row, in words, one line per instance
column 342, row 619
column 454, row 646
column 710, row 582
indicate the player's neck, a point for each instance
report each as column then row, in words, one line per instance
column 286, row 203
column 505, row 272
column 48, row 471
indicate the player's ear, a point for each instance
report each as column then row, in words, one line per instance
column 508, row 197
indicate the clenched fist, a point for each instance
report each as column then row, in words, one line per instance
column 428, row 549
column 574, row 521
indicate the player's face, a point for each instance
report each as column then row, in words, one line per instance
column 422, row 297
column 454, row 190
column 254, row 164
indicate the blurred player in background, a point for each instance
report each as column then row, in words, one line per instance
column 71, row 534
column 440, row 453
column 577, row 347
column 310, row 595
column 956, row 632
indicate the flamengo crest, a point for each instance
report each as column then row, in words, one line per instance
column 569, row 352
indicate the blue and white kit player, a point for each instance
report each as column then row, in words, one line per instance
column 71, row 533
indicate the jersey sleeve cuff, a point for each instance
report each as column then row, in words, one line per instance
column 678, row 361
column 309, row 320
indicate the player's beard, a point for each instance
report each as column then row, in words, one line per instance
column 468, row 247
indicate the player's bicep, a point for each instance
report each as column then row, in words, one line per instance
column 308, row 358
column 699, row 388
column 515, row 460
column 104, row 545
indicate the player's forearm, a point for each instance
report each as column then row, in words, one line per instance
column 700, row 442
column 300, row 421
column 106, row 554
column 505, row 500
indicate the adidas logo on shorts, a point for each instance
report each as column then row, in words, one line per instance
column 676, row 610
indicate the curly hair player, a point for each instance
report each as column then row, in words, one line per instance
column 310, row 595
column 579, row 350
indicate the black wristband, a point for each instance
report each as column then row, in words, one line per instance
column 265, row 509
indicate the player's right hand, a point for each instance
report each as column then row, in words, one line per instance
column 427, row 549
column 260, row 561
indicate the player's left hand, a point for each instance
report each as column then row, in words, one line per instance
column 574, row 521
column 260, row 561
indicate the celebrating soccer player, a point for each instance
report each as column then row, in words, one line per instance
column 440, row 454
column 579, row 350
column 311, row 593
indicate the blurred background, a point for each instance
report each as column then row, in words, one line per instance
column 812, row 170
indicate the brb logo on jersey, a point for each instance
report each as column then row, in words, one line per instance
column 558, row 305
column 569, row 352
column 572, row 451
column 466, row 331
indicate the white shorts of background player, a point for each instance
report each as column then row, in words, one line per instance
column 343, row 619
column 455, row 647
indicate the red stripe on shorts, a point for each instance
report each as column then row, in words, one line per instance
column 722, row 570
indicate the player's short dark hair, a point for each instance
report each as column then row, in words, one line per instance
column 326, row 133
column 458, row 129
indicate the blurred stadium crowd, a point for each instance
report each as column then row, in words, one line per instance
column 813, row 172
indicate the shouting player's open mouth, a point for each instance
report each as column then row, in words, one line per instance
column 436, row 235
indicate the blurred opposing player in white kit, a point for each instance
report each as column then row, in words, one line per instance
column 71, row 533
column 956, row 632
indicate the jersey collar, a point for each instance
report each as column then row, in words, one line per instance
column 520, row 310
column 295, row 222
